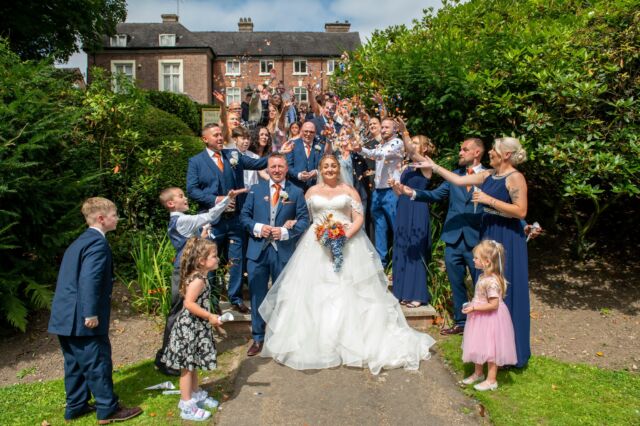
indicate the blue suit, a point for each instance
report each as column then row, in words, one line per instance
column 264, row 260
column 298, row 162
column 320, row 122
column 461, row 233
column 84, row 286
column 205, row 182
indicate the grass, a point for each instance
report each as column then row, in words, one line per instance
column 551, row 392
column 34, row 403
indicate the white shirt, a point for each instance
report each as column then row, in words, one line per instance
column 188, row 224
column 257, row 228
column 250, row 176
column 99, row 230
column 388, row 156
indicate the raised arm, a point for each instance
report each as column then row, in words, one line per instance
column 474, row 179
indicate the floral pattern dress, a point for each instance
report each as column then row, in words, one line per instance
column 191, row 344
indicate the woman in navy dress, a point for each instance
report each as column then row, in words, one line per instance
column 502, row 196
column 412, row 236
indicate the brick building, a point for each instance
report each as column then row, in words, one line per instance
column 167, row 56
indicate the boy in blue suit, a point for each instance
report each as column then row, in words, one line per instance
column 267, row 215
column 80, row 317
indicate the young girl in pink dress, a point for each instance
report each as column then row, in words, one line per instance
column 488, row 334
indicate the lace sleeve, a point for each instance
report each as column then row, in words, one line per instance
column 492, row 288
column 357, row 207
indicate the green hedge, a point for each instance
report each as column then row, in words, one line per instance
column 179, row 105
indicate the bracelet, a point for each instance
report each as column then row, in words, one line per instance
column 435, row 168
column 493, row 203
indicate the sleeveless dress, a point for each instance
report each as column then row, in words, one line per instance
column 317, row 318
column 191, row 343
column 412, row 243
column 510, row 233
column 488, row 335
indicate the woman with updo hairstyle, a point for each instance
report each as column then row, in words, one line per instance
column 501, row 195
column 412, row 235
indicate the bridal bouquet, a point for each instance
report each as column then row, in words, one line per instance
column 331, row 233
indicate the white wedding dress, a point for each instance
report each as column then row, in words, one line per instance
column 317, row 318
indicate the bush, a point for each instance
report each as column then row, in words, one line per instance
column 46, row 169
column 561, row 76
column 179, row 105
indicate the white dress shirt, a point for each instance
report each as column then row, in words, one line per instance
column 388, row 156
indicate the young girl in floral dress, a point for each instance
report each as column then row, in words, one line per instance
column 191, row 345
column 488, row 334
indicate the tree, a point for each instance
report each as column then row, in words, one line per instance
column 37, row 29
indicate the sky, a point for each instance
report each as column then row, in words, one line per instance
column 275, row 15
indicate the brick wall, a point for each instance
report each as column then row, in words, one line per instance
column 250, row 73
column 197, row 80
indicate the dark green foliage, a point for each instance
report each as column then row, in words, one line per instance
column 563, row 76
column 45, row 172
column 60, row 145
column 178, row 105
column 38, row 29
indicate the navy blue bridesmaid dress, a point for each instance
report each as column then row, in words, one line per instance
column 510, row 233
column 412, row 243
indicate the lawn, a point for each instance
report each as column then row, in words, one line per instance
column 551, row 392
column 34, row 403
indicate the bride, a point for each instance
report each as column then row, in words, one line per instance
column 318, row 318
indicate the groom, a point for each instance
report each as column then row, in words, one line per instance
column 269, row 205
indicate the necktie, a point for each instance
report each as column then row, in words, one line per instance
column 469, row 172
column 276, row 194
column 218, row 158
column 307, row 149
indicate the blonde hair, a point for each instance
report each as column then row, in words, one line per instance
column 493, row 252
column 426, row 145
column 167, row 195
column 513, row 145
column 329, row 157
column 195, row 250
column 94, row 206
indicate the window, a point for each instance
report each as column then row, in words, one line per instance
column 119, row 40
column 233, row 67
column 265, row 66
column 121, row 70
column 300, row 67
column 300, row 94
column 170, row 76
column 167, row 40
column 331, row 66
column 233, row 95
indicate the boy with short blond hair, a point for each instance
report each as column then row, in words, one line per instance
column 80, row 315
column 181, row 227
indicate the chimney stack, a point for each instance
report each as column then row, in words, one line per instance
column 337, row 27
column 169, row 17
column 245, row 25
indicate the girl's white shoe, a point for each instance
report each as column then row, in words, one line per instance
column 472, row 379
column 189, row 410
column 203, row 399
column 485, row 386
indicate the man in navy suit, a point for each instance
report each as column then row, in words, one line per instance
column 461, row 229
column 210, row 176
column 267, row 214
column 324, row 123
column 80, row 316
column 304, row 158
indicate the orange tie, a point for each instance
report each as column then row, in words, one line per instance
column 218, row 158
column 307, row 149
column 276, row 194
column 469, row 172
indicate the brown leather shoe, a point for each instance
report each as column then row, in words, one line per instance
column 121, row 414
column 456, row 329
column 241, row 307
column 255, row 348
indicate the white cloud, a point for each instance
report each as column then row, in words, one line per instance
column 275, row 15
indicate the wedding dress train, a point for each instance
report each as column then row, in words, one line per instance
column 317, row 318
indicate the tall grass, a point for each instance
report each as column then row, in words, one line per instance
column 151, row 290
